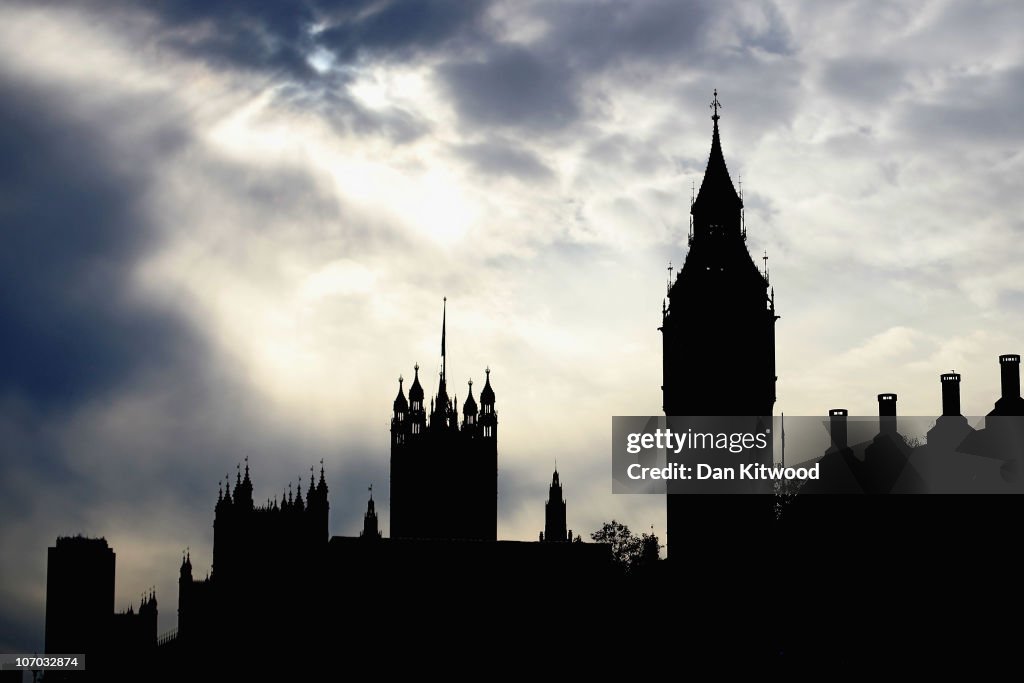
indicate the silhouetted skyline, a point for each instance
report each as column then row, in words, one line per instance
column 226, row 236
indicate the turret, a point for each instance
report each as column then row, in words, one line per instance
column 370, row 531
column 469, row 410
column 185, row 573
column 243, row 489
column 488, row 416
column 554, row 514
column 417, row 416
column 318, row 506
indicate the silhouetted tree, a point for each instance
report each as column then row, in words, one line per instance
column 629, row 551
column 650, row 550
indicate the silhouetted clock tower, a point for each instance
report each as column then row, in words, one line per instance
column 718, row 334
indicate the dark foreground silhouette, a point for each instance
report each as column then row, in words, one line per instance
column 832, row 584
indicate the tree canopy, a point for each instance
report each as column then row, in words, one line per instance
column 629, row 551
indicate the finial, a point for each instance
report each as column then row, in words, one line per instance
column 487, row 371
column 400, row 380
column 370, row 489
column 416, row 368
column 715, row 104
column 471, row 384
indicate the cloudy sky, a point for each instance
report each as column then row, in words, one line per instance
column 226, row 229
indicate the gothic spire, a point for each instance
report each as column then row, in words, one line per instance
column 321, row 485
column 401, row 405
column 716, row 190
column 442, row 387
column 469, row 408
column 444, row 320
column 416, row 390
column 370, row 529
column 487, row 393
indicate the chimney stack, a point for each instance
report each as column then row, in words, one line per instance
column 887, row 413
column 837, row 425
column 1009, row 366
column 950, row 394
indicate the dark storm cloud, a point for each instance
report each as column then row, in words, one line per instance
column 401, row 29
column 279, row 37
column 258, row 35
column 72, row 230
column 595, row 35
column 866, row 81
column 514, row 87
column 982, row 107
column 505, row 159
column 539, row 85
column 536, row 87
